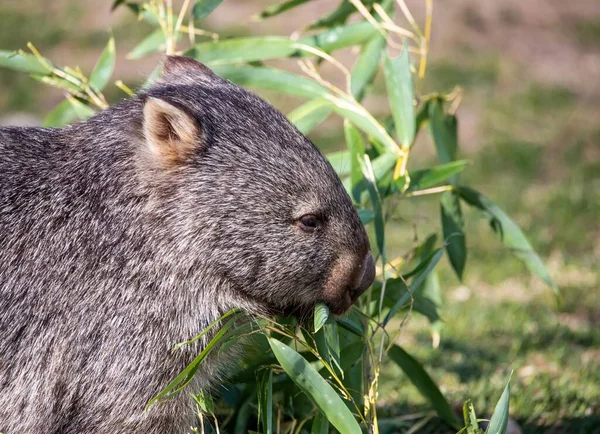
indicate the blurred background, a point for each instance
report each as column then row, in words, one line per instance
column 530, row 124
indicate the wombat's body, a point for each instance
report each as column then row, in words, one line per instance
column 130, row 232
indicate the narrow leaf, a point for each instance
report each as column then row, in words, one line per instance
column 415, row 284
column 420, row 378
column 366, row 65
column 186, row 376
column 310, row 114
column 280, row 8
column 398, row 81
column 356, row 147
column 470, row 418
column 62, row 114
column 454, row 235
column 509, row 232
column 246, row 49
column 499, row 420
column 320, row 315
column 265, row 402
column 203, row 8
column 272, row 79
column 320, row 425
column 315, row 387
column 444, row 131
column 155, row 41
column 426, row 178
column 104, row 67
column 83, row 111
column 341, row 37
column 22, row 62
column 367, row 171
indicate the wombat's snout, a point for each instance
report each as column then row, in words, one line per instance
column 350, row 277
column 368, row 275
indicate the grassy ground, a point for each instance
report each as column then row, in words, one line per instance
column 532, row 134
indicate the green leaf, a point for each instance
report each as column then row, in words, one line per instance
column 259, row 48
column 425, row 268
column 104, row 67
column 356, row 147
column 320, row 315
column 265, row 402
column 454, row 235
column 444, row 132
column 205, row 401
column 428, row 300
column 294, row 84
column 272, row 79
column 366, row 216
column 471, row 423
column 62, row 114
column 22, row 62
column 499, row 420
column 310, row 114
column 186, row 376
column 81, row 110
column 353, row 327
column 116, row 4
column 203, row 8
column 426, row 178
column 336, row 17
column 509, row 232
column 328, row 345
column 366, row 65
column 398, row 81
column 155, row 41
column 367, row 171
column 315, row 387
column 240, row 50
column 420, row 378
column 340, row 160
column 280, row 8
column 320, row 424
column 341, row 37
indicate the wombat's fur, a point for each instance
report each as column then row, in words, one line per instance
column 125, row 234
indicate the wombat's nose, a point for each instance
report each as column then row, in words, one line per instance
column 368, row 275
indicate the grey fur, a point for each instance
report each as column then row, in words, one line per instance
column 107, row 259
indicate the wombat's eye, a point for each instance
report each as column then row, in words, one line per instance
column 309, row 222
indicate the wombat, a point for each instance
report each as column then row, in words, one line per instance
column 127, row 233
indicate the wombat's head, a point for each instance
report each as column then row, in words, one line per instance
column 247, row 197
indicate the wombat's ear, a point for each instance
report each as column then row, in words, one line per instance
column 172, row 135
column 184, row 67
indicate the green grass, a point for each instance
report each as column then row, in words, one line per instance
column 554, row 358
